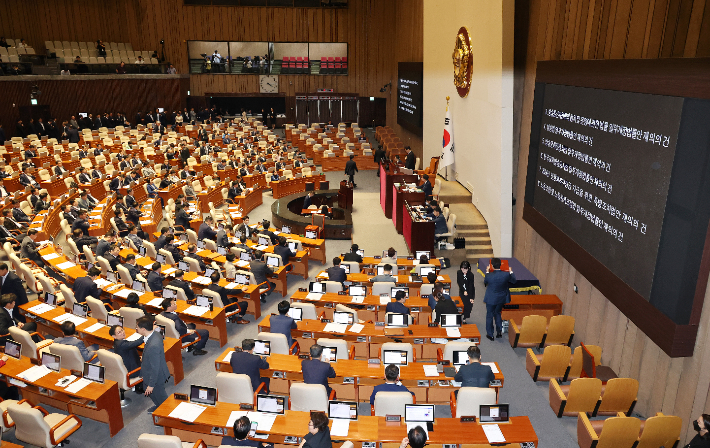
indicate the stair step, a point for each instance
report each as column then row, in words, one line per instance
column 479, row 252
column 472, row 232
column 471, row 227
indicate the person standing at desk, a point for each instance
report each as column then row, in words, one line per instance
column 308, row 200
column 85, row 286
column 474, row 374
column 497, row 295
column 392, row 383
column 410, row 162
column 351, row 169
column 318, row 432
column 154, row 368
column 245, row 362
column 467, row 289
column 283, row 323
column 335, row 272
column 316, row 371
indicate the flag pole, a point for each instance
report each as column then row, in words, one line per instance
column 446, row 173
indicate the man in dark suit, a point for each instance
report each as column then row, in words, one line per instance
column 497, row 295
column 69, row 330
column 73, row 135
column 398, row 306
column 42, row 203
column 392, row 383
column 411, row 161
column 83, row 177
column 316, row 371
column 282, row 323
column 11, row 284
column 29, row 248
column 128, row 351
column 440, row 226
column 245, row 362
column 335, row 272
column 9, row 317
column 169, row 307
column 85, row 286
column 474, row 374
column 192, row 253
column 2, row 134
column 154, row 369
column 308, row 200
column 162, row 239
column 5, row 233
column 112, row 256
column 104, row 244
column 261, row 272
column 223, row 236
column 444, row 304
column 178, row 282
column 59, row 169
column 27, row 179
column 224, row 294
column 426, row 186
column 155, row 279
column 205, row 231
column 351, row 169
column 284, row 252
column 17, row 213
column 130, row 199
column 81, row 223
column 266, row 225
column 353, row 255
column 130, row 264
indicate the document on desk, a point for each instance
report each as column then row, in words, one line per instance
column 492, row 365
column 430, row 370
column 77, row 385
column 227, row 358
column 340, row 427
column 358, row 299
column 66, row 265
column 70, row 318
column 314, row 296
column 265, row 420
column 124, row 292
column 202, row 280
column 356, row 328
column 332, row 327
column 187, row 411
column 156, row 302
column 493, row 433
column 385, row 300
column 50, row 256
column 453, row 332
column 235, row 415
column 96, row 327
column 439, row 278
column 169, row 271
column 102, row 283
column 40, row 309
column 134, row 337
column 34, row 373
column 242, row 264
column 195, row 310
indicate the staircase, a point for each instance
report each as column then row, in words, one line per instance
column 478, row 241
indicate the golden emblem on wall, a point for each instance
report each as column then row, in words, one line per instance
column 463, row 61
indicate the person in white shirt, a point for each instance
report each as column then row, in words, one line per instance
column 140, row 60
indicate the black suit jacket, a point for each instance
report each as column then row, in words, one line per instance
column 222, row 291
column 350, row 167
column 205, row 231
column 155, row 281
column 336, row 274
column 474, row 375
column 466, row 285
column 180, row 326
column 113, row 261
column 127, row 350
column 6, row 321
column 13, row 285
column 84, row 287
column 316, row 371
column 182, row 284
column 248, row 364
column 410, row 161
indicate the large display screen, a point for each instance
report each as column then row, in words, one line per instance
column 409, row 95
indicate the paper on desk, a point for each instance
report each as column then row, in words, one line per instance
column 492, row 365
column 134, row 337
column 187, row 411
column 195, row 310
column 314, row 296
column 102, row 283
column 228, row 356
column 385, row 300
column 40, row 309
column 332, row 327
column 66, row 265
column 430, row 370
column 440, row 278
column 34, row 373
column 124, row 292
column 114, row 287
column 50, row 256
column 156, row 302
column 96, row 327
column 358, row 299
column 340, row 427
column 77, row 385
column 242, row 263
column 146, row 222
column 202, row 280
column 356, row 328
column 232, row 285
column 265, row 420
column 169, row 271
column 234, row 416
column 493, row 433
column 261, row 247
column 453, row 332
column 70, row 318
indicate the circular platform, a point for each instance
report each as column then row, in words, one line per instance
column 287, row 212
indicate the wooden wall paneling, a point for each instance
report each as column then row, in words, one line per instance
column 693, row 35
column 627, row 352
column 594, row 322
column 608, row 338
column 620, row 29
column 672, row 386
column 703, row 46
column 647, row 374
column 661, row 373
column 638, row 22
column 617, row 348
column 679, row 41
column 580, row 303
column 552, row 282
column 638, row 349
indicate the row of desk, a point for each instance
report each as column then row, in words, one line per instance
column 285, row 187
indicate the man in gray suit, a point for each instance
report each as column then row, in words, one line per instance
column 154, row 368
column 69, row 329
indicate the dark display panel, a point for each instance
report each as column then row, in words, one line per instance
column 409, row 95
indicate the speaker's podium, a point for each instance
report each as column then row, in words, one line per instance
column 345, row 195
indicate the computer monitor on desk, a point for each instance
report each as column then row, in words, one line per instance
column 396, row 357
column 425, row 270
column 342, row 409
column 357, row 290
column 419, row 415
column 494, row 413
column 13, row 349
column 397, row 320
column 94, row 372
column 52, row 362
column 262, row 348
column 343, row 317
column 451, row 320
column 203, row 395
column 295, row 313
column 330, row 354
column 272, row 404
column 395, row 289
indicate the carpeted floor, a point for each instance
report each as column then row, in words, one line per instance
column 373, row 232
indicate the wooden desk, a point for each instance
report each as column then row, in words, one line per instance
column 100, row 218
column 151, row 215
column 522, row 305
column 171, row 192
column 402, row 280
column 54, row 188
column 285, row 187
column 399, row 198
column 338, row 163
column 250, row 201
column 213, row 195
column 100, row 402
column 365, row 429
column 419, row 234
column 387, row 180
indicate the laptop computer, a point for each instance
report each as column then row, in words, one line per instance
column 295, row 313
column 357, row 290
column 418, row 254
column 285, row 229
column 139, row 286
column 396, row 357
column 209, row 272
column 419, row 415
column 203, row 395
column 393, row 291
column 451, row 320
column 345, row 267
column 330, row 354
column 380, row 270
column 343, row 317
column 201, row 300
column 160, row 259
column 264, row 241
column 114, row 319
column 169, row 293
column 111, row 276
column 397, row 320
column 241, row 279
column 222, row 250
column 311, row 234
column 272, row 404
column 262, row 348
column 360, row 252
column 200, row 244
column 52, row 362
column 183, row 266
column 13, row 349
column 318, row 287
column 50, row 299
column 80, row 309
column 245, row 256
column 426, row 270
column 272, row 261
column 460, row 358
column 142, row 250
column 293, row 246
column 494, row 413
column 94, row 372
column 342, row 409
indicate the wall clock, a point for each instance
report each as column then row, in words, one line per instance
column 268, row 84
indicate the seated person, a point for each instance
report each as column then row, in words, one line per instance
column 316, row 371
column 9, row 317
column 69, row 330
column 283, row 323
column 155, row 279
column 284, row 251
column 112, row 256
column 85, row 286
column 444, row 304
column 169, row 307
column 353, row 255
column 224, row 296
column 422, row 260
column 318, row 432
column 336, row 273
column 245, row 362
column 192, row 253
column 386, row 276
column 324, row 211
column 474, row 374
column 440, row 226
column 391, row 257
column 398, row 306
column 431, row 279
column 392, row 383
column 426, row 186
column 242, row 425
column 416, row 438
column 128, row 351
column 133, row 301
column 178, row 282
